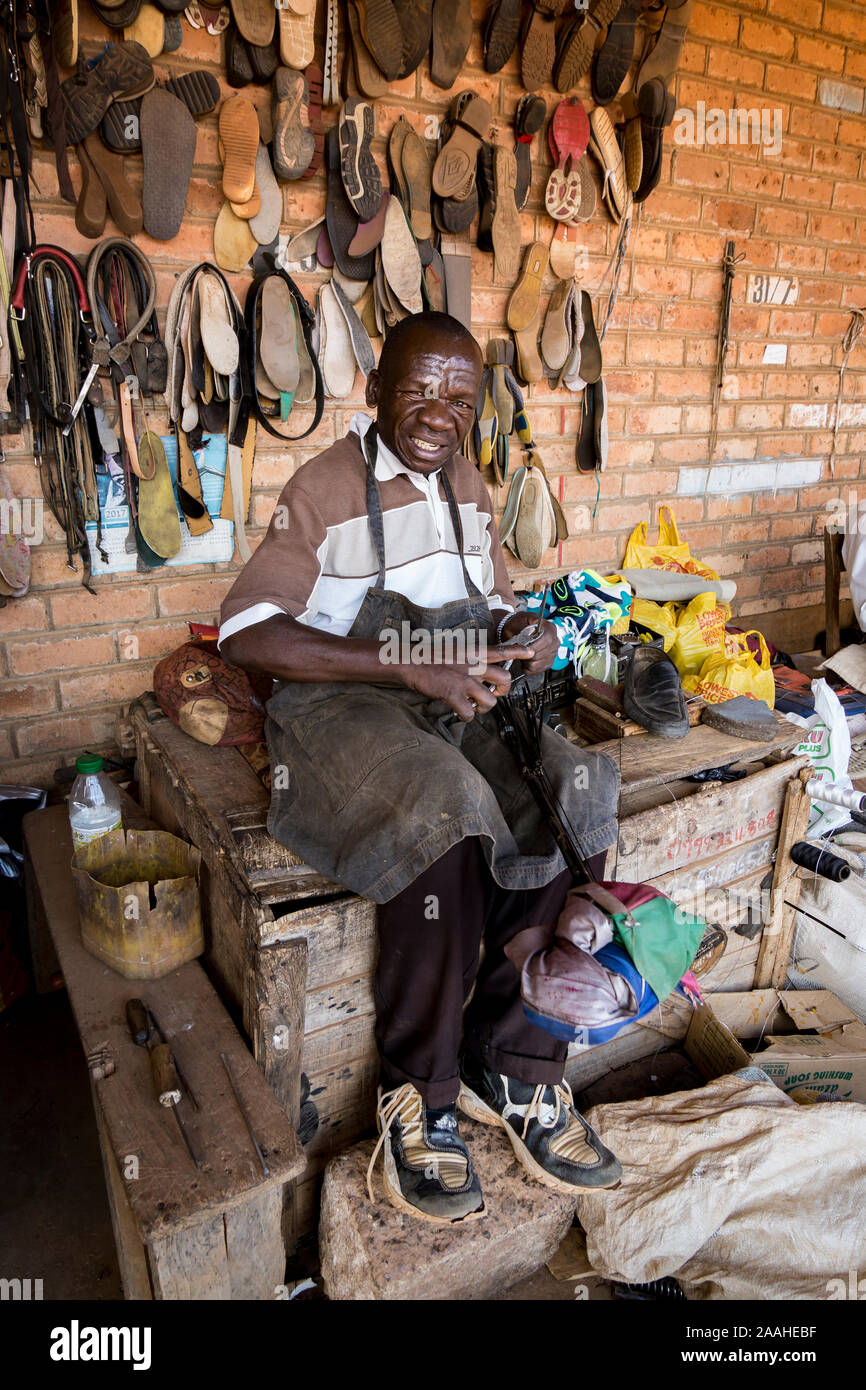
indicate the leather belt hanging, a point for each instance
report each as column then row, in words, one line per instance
column 50, row 305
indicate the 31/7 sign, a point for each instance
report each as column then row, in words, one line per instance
column 772, row 289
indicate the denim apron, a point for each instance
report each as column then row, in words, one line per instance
column 373, row 783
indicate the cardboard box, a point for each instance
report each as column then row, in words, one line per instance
column 808, row 1041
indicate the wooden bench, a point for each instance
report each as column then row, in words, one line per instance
column 181, row 1232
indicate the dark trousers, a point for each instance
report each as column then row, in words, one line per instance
column 429, row 943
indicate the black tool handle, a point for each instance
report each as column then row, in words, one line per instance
column 138, row 1021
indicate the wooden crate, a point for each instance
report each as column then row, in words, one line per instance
column 294, row 954
column 181, row 1232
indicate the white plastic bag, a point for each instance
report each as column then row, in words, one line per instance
column 828, row 743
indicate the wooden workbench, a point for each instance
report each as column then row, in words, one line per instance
column 181, row 1232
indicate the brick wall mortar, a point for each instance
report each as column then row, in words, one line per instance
column 802, row 212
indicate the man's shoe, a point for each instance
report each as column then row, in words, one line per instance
column 552, row 1141
column 653, row 694
column 428, row 1171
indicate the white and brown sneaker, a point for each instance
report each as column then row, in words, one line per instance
column 551, row 1140
column 427, row 1168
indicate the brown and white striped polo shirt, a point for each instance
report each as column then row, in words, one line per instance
column 318, row 560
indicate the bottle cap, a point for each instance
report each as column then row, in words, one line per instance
column 89, row 762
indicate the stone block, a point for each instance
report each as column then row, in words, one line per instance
column 376, row 1252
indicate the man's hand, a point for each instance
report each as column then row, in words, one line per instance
column 465, row 691
column 543, row 648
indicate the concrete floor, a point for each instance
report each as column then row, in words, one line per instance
column 53, row 1209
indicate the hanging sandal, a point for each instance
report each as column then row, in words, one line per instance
column 454, row 170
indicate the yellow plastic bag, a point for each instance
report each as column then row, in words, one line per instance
column 669, row 553
column 700, row 633
column 660, row 618
column 727, row 673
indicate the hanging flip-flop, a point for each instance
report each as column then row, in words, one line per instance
column 505, row 225
column 265, row 225
column 297, row 26
column 336, row 357
column 168, row 149
column 233, row 243
column 416, row 170
column 556, row 334
column 361, row 345
column 523, row 305
column 401, row 263
column 278, row 340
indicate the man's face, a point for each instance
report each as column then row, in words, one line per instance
column 426, row 403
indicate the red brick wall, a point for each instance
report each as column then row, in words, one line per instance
column 68, row 660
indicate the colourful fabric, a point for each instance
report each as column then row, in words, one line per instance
column 579, row 604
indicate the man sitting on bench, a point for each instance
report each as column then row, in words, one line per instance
column 389, row 776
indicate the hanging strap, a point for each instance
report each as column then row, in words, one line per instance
column 112, row 348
